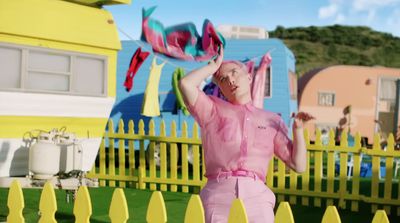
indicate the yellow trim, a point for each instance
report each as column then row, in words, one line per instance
column 101, row 2
column 17, row 126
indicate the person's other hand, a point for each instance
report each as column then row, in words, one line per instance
column 298, row 123
column 300, row 118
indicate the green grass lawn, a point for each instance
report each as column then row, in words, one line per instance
column 175, row 202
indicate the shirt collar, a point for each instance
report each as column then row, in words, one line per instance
column 249, row 106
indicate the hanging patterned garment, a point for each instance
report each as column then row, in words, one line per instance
column 136, row 61
column 151, row 105
column 181, row 41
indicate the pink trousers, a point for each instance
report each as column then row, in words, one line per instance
column 218, row 195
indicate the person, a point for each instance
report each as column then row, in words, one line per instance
column 239, row 141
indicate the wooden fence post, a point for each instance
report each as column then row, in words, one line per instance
column 111, row 154
column 173, row 158
column 163, row 156
column 380, row 217
column 331, row 215
column 150, row 153
column 48, row 204
column 15, row 203
column 142, row 157
column 121, row 153
column 194, row 211
column 284, row 213
column 82, row 206
column 184, row 158
column 131, row 153
column 376, row 165
column 119, row 208
column 156, row 212
column 237, row 212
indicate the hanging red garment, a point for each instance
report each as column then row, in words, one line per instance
column 136, row 61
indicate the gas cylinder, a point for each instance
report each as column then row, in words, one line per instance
column 44, row 157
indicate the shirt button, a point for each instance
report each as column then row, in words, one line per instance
column 247, row 119
column 245, row 136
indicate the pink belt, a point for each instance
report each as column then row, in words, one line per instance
column 235, row 173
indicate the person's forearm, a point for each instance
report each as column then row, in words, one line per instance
column 190, row 83
column 195, row 77
column 299, row 155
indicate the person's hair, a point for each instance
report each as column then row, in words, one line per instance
column 218, row 72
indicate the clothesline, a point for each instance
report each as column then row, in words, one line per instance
column 168, row 61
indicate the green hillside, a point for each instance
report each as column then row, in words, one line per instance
column 316, row 47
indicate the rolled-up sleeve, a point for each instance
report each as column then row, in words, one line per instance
column 283, row 145
column 203, row 109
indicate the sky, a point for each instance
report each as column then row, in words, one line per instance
column 380, row 15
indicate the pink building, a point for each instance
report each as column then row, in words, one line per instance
column 356, row 97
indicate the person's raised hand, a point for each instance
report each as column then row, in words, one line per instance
column 216, row 63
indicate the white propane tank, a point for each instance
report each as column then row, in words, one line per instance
column 44, row 157
column 71, row 153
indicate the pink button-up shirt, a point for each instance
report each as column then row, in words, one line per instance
column 239, row 137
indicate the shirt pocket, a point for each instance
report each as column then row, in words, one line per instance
column 263, row 135
column 228, row 130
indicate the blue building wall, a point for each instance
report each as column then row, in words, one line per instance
column 128, row 104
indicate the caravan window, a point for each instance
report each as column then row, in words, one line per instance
column 87, row 79
column 47, row 71
column 268, row 81
column 32, row 69
column 10, row 60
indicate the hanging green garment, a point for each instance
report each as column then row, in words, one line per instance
column 178, row 74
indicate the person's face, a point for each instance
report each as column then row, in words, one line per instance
column 233, row 81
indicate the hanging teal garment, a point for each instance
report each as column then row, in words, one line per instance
column 181, row 41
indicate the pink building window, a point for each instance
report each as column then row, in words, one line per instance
column 326, row 99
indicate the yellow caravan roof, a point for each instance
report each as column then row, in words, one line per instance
column 101, row 2
column 59, row 21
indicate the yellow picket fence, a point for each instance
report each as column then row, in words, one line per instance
column 319, row 185
column 156, row 211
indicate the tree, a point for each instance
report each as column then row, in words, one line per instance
column 332, row 52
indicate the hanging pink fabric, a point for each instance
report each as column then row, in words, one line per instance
column 136, row 61
column 258, row 84
column 181, row 41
